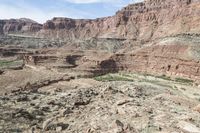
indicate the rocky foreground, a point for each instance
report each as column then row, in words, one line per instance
column 117, row 103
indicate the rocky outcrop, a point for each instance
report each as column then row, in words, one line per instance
column 116, row 106
column 7, row 52
column 39, row 59
column 27, row 42
column 92, row 62
column 1, row 72
column 157, row 36
column 51, row 60
column 142, row 21
column 35, row 86
column 26, row 26
column 173, row 56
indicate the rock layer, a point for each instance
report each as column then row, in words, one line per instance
column 23, row 25
column 173, row 56
column 152, row 36
column 141, row 21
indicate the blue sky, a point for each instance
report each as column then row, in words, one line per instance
column 42, row 10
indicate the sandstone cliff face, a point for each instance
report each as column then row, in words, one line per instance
column 19, row 26
column 145, row 21
column 158, row 36
column 173, row 56
column 142, row 21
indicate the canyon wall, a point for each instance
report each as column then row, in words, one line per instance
column 19, row 26
column 145, row 21
column 172, row 56
column 142, row 21
column 154, row 36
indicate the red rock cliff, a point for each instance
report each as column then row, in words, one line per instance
column 142, row 21
column 19, row 26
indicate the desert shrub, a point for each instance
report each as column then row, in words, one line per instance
column 110, row 77
column 164, row 77
column 182, row 80
column 5, row 64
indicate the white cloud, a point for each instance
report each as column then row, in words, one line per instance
column 21, row 9
column 7, row 12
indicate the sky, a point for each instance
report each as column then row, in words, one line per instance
column 43, row 10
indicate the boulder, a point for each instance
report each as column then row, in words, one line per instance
column 197, row 108
column 1, row 72
column 188, row 127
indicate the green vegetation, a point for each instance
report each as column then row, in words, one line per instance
column 144, row 78
column 196, row 94
column 5, row 63
column 179, row 80
column 149, row 129
column 160, row 77
column 146, row 74
column 164, row 77
column 198, row 99
column 182, row 80
column 112, row 77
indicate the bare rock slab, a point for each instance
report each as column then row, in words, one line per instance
column 187, row 127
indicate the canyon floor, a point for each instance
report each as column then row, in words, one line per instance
column 37, row 99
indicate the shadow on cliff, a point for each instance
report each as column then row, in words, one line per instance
column 106, row 66
column 71, row 59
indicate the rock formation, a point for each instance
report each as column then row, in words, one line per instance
column 19, row 26
column 173, row 56
column 142, row 21
column 154, row 36
column 144, row 63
